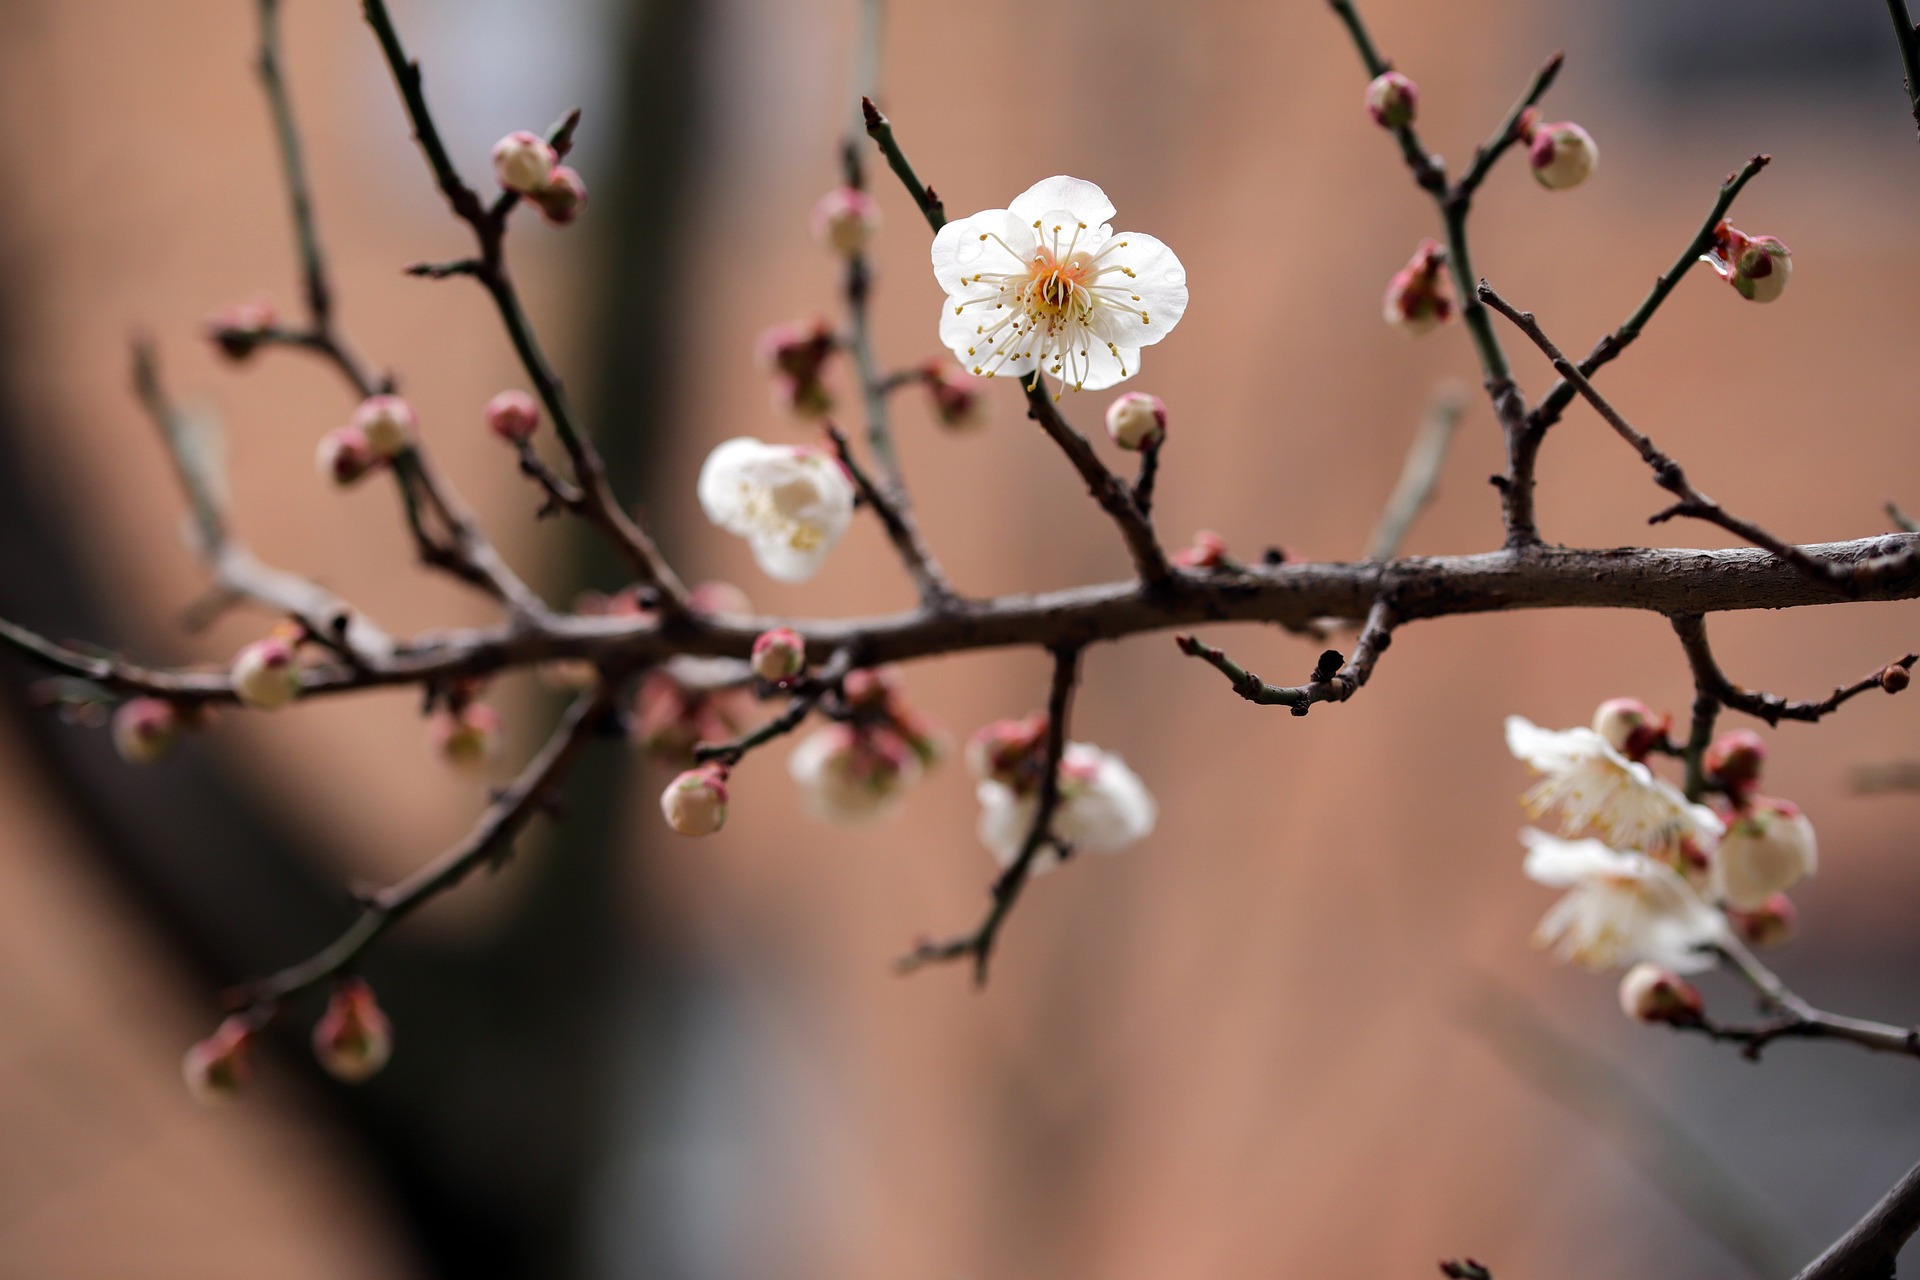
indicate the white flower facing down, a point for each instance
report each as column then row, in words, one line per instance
column 1103, row 807
column 1047, row 284
column 1594, row 790
column 1621, row 908
column 853, row 775
column 790, row 503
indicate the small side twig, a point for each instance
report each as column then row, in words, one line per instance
column 805, row 698
column 1908, row 38
column 880, row 129
column 1335, row 677
column 1420, row 473
column 902, row 530
column 1793, row 1018
column 1113, row 495
column 1771, row 707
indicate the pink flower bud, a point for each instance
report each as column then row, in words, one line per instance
column 218, row 1067
column 562, row 198
column 1769, row 924
column 1761, row 269
column 853, row 773
column 1769, row 846
column 1209, row 551
column 846, row 220
column 871, row 688
column 1392, row 100
column 145, row 729
column 466, row 738
column 1419, row 297
column 344, row 456
column 513, row 416
column 1629, row 726
column 1137, row 421
column 1009, row 752
column 957, row 401
column 523, row 162
column 1649, row 993
column 1734, row 760
column 266, row 674
column 779, row 655
column 1562, row 155
column 387, row 424
column 670, row 719
column 796, row 355
column 695, row 803
column 353, row 1039
column 238, row 328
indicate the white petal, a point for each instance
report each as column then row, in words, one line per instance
column 1558, row 863
column 1158, row 281
column 1005, row 819
column 722, row 490
column 780, row 560
column 961, row 332
column 1113, row 811
column 995, row 241
column 1076, row 196
column 1099, row 368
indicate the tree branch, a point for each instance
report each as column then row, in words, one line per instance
column 1870, row 1249
column 1909, row 41
column 880, row 129
column 936, row 594
column 1419, row 474
column 1112, row 493
column 1771, row 707
column 1335, row 679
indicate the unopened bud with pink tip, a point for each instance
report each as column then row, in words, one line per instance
column 957, row 401
column 1392, row 100
column 523, row 162
column 1767, row 925
column 561, row 197
column 845, row 220
column 354, row 1038
column 513, row 416
column 266, row 674
column 465, row 738
column 695, row 803
column 145, row 729
column 1009, row 752
column 1649, row 993
column 779, row 655
column 1629, row 726
column 1756, row 266
column 1562, row 155
column 387, row 424
column 1734, row 759
column 1208, row 551
column 1895, row 677
column 1769, row 846
column 1137, row 421
column 218, row 1067
column 1419, row 297
column 344, row 456
column 239, row 328
column 796, row 355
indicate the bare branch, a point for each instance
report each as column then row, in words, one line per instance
column 805, row 698
column 1870, row 1249
column 1335, row 679
column 1419, row 474
column 880, row 129
column 1508, row 133
column 903, row 531
column 1149, row 558
column 1792, row 1018
column 1908, row 39
column 1771, row 707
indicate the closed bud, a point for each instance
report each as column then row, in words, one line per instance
column 266, row 674
column 1137, row 421
column 1009, row 752
column 1419, row 297
column 523, row 162
column 796, row 355
column 853, row 773
column 1769, row 846
column 1895, row 678
column 1761, row 268
column 562, row 197
column 1649, row 993
column 845, row 220
column 513, row 416
column 957, row 401
column 1209, row 551
column 145, row 729
column 871, row 689
column 465, row 738
column 1392, row 100
column 387, row 424
column 695, row 803
column 344, row 456
column 1562, row 155
column 779, row 655
column 353, row 1039
column 1769, row 924
column 218, row 1067
column 239, row 328
column 1629, row 726
column 1734, row 760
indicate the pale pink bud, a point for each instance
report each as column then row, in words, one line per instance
column 1420, row 297
column 1649, row 993
column 466, row 738
column 779, row 655
column 1562, row 155
column 1769, row 924
column 513, row 416
column 562, row 198
column 1629, row 726
column 846, row 220
column 796, row 355
column 853, row 773
column 239, row 327
column 266, row 674
column 218, row 1067
column 344, row 456
column 1009, row 752
column 1761, row 269
column 523, row 162
column 1137, row 421
column 353, row 1039
column 1392, row 100
column 695, row 803
column 145, row 729
column 871, row 688
column 1769, row 846
column 387, row 424
column 957, row 401
column 719, row 597
column 1734, row 760
column 1209, row 551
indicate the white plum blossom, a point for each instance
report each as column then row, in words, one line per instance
column 1769, row 846
column 1103, row 807
column 852, row 774
column 1594, row 790
column 789, row 502
column 1047, row 284
column 1621, row 908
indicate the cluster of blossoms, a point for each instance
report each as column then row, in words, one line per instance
column 1656, row 882
column 353, row 1040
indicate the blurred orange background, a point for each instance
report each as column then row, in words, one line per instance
column 1300, row 1030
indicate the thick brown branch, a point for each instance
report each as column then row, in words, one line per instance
column 1868, row 1251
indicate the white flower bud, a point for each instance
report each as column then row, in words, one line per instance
column 1137, row 421
column 386, row 423
column 695, row 803
column 779, row 655
column 791, row 503
column 1761, row 269
column 266, row 674
column 853, row 773
column 846, row 220
column 1392, row 100
column 1769, row 846
column 1649, row 993
column 1628, row 725
column 523, row 162
column 1562, row 155
column 344, row 456
column 562, row 197
column 145, row 729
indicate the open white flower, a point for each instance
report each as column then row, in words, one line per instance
column 1594, row 790
column 790, row 503
column 853, row 774
column 1048, row 284
column 1622, row 908
column 1103, row 806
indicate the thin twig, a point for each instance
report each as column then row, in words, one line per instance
column 1149, row 558
column 1508, row 133
column 1420, row 473
column 1792, row 1017
column 902, row 530
column 806, row 696
column 1771, row 707
column 880, row 129
column 1335, row 677
column 1143, row 483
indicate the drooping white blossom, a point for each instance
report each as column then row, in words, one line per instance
column 1104, row 806
column 1594, row 790
column 853, row 774
column 1047, row 284
column 1769, row 846
column 789, row 502
column 1620, row 908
